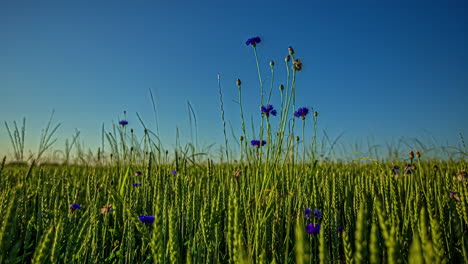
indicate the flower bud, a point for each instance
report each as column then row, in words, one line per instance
column 238, row 82
column 315, row 113
column 418, row 154
column 281, row 87
column 411, row 155
column 291, row 50
column 297, row 138
column 272, row 63
column 241, row 138
column 287, row 59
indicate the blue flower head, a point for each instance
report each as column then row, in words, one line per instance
column 174, row 172
column 312, row 229
column 123, row 122
column 257, row 144
column 340, row 230
column 307, row 212
column 267, row 110
column 317, row 213
column 253, row 41
column 74, row 207
column 301, row 112
column 146, row 219
column 137, row 184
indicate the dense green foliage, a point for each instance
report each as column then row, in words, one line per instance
column 205, row 214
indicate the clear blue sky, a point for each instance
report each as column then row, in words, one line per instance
column 373, row 69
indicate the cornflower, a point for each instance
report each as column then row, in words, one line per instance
column 301, row 112
column 312, row 229
column 317, row 213
column 307, row 213
column 146, row 219
column 256, row 143
column 340, row 231
column 267, row 110
column 74, row 207
column 253, row 41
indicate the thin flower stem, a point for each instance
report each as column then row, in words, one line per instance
column 272, row 81
column 222, row 116
column 259, row 75
column 243, row 122
column 303, row 142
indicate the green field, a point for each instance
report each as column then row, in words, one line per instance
column 267, row 197
column 204, row 213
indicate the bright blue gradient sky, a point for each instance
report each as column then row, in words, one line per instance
column 376, row 70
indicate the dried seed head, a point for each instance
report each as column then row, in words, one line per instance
column 272, row 63
column 287, row 59
column 107, row 209
column 241, row 138
column 315, row 113
column 237, row 174
column 281, row 87
column 238, row 82
column 297, row 138
column 291, row 50
column 462, row 176
column 297, row 65
column 131, row 130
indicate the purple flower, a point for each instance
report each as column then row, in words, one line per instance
column 301, row 112
column 340, row 231
column 256, row 143
column 74, row 206
column 267, row 110
column 146, row 219
column 312, row 229
column 137, row 184
column 253, row 41
column 123, row 122
column 317, row 213
column 307, row 213
column 174, row 172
